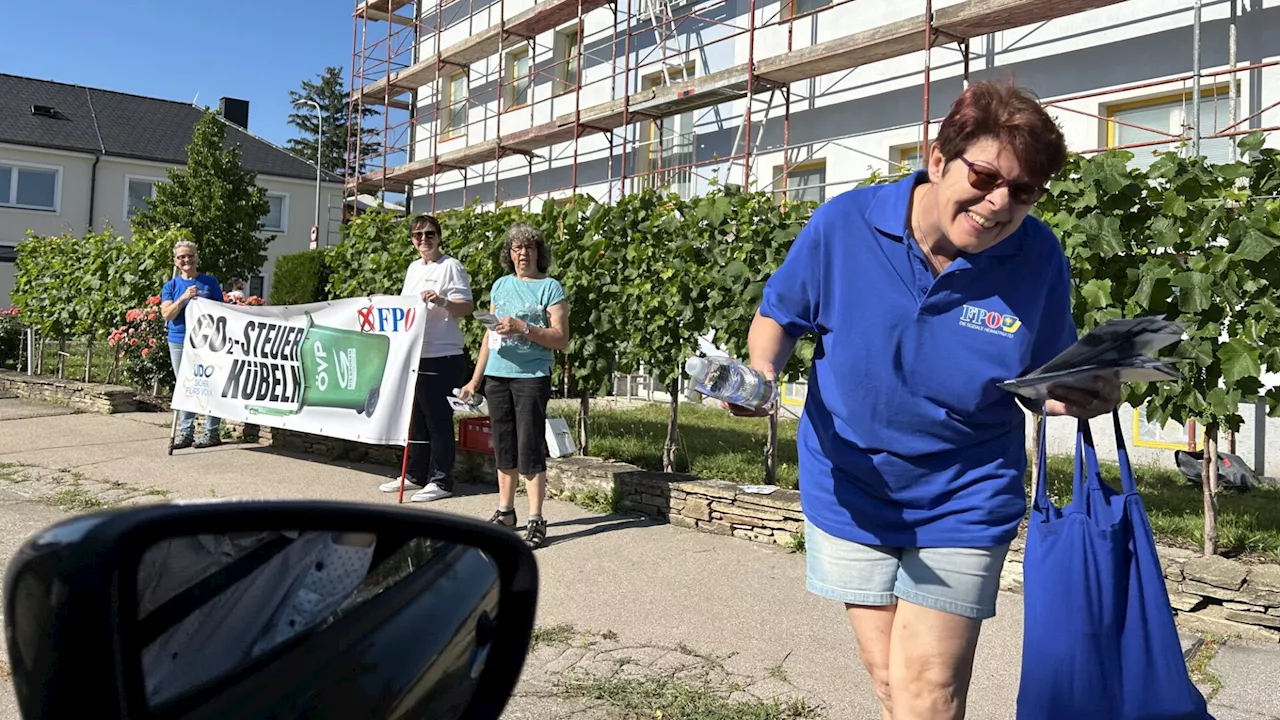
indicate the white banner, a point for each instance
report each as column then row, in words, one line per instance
column 342, row 369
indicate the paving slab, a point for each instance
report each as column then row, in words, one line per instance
column 659, row 593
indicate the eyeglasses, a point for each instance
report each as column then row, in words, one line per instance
column 985, row 179
column 524, row 248
column 423, row 234
column 180, row 258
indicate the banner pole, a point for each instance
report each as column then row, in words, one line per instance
column 408, row 438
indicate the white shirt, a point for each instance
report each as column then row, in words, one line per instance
column 441, row 332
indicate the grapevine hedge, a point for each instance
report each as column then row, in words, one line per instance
column 648, row 275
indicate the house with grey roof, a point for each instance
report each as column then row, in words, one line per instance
column 75, row 159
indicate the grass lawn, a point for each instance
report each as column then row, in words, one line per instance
column 715, row 445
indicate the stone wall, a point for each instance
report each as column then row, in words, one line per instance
column 711, row 506
column 81, row 396
column 1212, row 594
column 1208, row 594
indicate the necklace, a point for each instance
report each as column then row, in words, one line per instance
column 934, row 265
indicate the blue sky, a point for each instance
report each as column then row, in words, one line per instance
column 257, row 50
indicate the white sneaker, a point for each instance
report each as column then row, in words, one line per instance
column 431, row 492
column 394, row 485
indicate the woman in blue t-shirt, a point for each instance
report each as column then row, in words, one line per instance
column 186, row 285
column 515, row 365
column 925, row 294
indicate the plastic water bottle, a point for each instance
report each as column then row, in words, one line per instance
column 731, row 380
column 476, row 404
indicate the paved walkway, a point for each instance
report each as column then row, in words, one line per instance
column 628, row 605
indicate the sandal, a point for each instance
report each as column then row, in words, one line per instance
column 535, row 534
column 505, row 518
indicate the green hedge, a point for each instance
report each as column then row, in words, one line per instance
column 300, row 278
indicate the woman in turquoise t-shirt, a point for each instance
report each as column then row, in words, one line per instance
column 515, row 365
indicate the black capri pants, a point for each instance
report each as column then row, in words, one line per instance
column 518, row 418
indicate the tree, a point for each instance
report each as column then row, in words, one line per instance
column 216, row 200
column 331, row 95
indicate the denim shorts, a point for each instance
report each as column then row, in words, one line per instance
column 960, row 581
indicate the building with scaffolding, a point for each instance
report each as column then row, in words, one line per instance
column 516, row 101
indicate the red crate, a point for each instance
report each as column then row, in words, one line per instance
column 476, row 435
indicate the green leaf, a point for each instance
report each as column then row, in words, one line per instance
column 1239, row 360
column 1255, row 246
column 1253, row 142
column 1097, row 292
column 1174, row 204
column 1196, row 290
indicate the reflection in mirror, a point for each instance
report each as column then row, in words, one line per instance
column 210, row 604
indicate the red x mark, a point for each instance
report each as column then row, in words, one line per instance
column 366, row 319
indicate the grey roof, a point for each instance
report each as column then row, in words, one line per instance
column 123, row 125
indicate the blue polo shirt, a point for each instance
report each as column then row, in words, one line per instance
column 209, row 289
column 905, row 439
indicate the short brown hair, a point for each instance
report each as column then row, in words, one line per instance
column 1012, row 116
column 420, row 220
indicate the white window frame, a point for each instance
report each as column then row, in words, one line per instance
column 284, row 213
column 13, row 186
column 130, row 178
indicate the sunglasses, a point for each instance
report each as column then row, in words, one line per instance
column 180, row 258
column 423, row 234
column 985, row 179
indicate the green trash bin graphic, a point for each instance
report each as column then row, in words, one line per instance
column 340, row 369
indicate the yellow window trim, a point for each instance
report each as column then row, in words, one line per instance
column 900, row 157
column 1209, row 92
column 513, row 60
column 448, row 133
column 780, row 185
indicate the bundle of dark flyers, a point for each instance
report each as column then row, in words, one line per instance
column 1119, row 348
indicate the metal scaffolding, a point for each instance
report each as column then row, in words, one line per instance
column 401, row 65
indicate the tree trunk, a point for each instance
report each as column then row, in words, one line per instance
column 1210, row 482
column 771, row 449
column 673, row 420
column 584, row 412
column 88, row 361
column 40, row 358
column 62, row 356
column 1033, row 454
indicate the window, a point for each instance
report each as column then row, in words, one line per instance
column 1158, row 118
column 905, row 159
column 454, row 116
column 518, row 78
column 276, row 218
column 566, row 52
column 30, row 187
column 138, row 193
column 667, row 149
column 800, row 7
column 804, row 182
column 255, row 285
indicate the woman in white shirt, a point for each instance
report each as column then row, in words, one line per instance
column 442, row 283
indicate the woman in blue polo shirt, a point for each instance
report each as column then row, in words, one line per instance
column 911, row 457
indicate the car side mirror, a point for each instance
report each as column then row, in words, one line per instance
column 269, row 609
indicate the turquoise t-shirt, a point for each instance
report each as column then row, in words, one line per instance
column 528, row 300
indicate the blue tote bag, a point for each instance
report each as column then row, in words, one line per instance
column 1099, row 640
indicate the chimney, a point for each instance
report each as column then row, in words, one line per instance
column 234, row 111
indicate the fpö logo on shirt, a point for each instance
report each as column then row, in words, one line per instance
column 990, row 321
column 386, row 319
